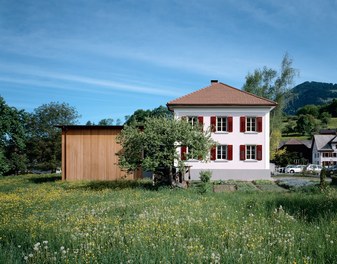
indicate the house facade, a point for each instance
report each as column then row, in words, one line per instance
column 239, row 123
column 324, row 150
column 300, row 148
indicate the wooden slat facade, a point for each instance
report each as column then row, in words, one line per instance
column 89, row 153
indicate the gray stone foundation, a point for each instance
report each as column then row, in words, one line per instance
column 240, row 175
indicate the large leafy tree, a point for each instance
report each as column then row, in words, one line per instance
column 44, row 137
column 306, row 125
column 155, row 145
column 140, row 115
column 12, row 139
column 273, row 85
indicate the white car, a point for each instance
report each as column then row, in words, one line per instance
column 314, row 168
column 294, row 169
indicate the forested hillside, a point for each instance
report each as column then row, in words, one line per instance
column 316, row 93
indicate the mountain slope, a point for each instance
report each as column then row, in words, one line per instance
column 316, row 93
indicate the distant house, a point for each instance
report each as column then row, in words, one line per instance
column 302, row 148
column 324, row 150
column 239, row 122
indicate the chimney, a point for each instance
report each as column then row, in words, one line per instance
column 214, row 81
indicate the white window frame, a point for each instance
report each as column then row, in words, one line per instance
column 193, row 120
column 223, row 124
column 222, row 149
column 251, row 122
column 251, row 152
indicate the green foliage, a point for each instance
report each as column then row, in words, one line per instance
column 275, row 138
column 44, row 138
column 155, row 145
column 12, row 139
column 283, row 157
column 331, row 107
column 4, row 164
column 140, row 115
column 322, row 177
column 106, row 122
column 325, row 118
column 312, row 110
column 275, row 86
column 306, row 125
column 289, row 127
column 205, row 178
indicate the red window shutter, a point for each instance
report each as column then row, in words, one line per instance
column 213, row 123
column 242, row 124
column 259, row 124
column 242, row 152
column 259, row 152
column 230, row 124
column 213, row 153
column 201, row 122
column 230, row 152
column 183, row 152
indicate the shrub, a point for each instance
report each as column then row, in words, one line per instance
column 205, row 178
column 322, row 176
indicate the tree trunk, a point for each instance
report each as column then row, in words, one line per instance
column 171, row 180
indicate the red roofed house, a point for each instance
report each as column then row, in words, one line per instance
column 239, row 122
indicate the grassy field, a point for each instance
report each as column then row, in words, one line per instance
column 44, row 220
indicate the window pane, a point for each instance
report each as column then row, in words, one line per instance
column 193, row 120
column 222, row 152
column 251, row 152
column 222, row 124
column 251, row 124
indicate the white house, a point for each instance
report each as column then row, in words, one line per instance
column 239, row 122
column 324, row 150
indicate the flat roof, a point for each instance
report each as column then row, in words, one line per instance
column 88, row 127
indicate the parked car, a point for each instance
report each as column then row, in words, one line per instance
column 294, row 169
column 313, row 168
column 332, row 170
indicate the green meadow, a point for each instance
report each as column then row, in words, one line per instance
column 45, row 220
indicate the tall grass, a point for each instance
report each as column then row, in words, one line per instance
column 43, row 220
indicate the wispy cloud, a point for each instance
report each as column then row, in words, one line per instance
column 42, row 78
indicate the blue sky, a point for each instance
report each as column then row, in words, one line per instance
column 110, row 58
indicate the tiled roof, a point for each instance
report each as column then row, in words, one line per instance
column 323, row 142
column 220, row 94
column 294, row 141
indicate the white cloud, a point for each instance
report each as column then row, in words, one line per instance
column 59, row 80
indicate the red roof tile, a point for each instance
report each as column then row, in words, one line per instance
column 220, row 94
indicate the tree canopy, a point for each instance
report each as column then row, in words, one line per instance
column 140, row 115
column 12, row 139
column 44, row 138
column 155, row 145
column 275, row 86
